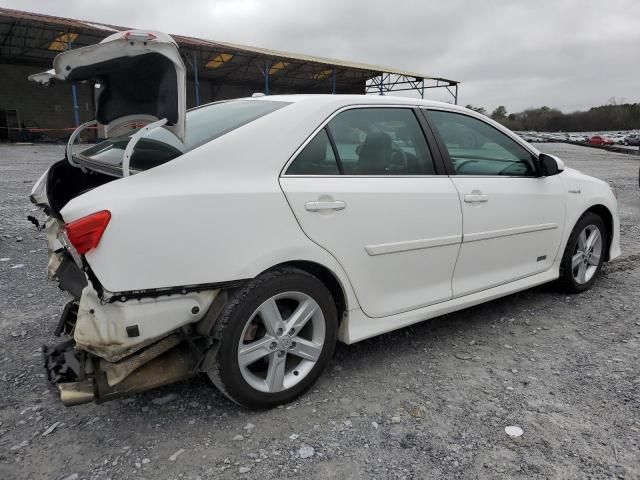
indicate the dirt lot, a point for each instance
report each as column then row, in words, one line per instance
column 430, row 401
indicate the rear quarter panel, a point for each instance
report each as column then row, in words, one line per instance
column 216, row 214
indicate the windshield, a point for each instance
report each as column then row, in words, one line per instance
column 159, row 146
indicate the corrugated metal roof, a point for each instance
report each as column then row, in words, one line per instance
column 95, row 28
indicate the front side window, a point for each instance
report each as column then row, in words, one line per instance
column 381, row 141
column 477, row 148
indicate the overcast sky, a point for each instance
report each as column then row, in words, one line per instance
column 569, row 54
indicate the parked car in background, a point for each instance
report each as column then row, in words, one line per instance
column 600, row 140
column 633, row 139
column 576, row 138
column 243, row 238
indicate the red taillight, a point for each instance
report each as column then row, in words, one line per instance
column 85, row 233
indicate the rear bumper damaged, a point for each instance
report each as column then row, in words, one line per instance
column 83, row 378
column 126, row 347
column 122, row 343
column 116, row 330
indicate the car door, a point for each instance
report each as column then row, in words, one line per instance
column 367, row 188
column 512, row 217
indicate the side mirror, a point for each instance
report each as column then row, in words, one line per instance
column 550, row 165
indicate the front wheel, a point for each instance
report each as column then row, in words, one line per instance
column 584, row 254
column 276, row 336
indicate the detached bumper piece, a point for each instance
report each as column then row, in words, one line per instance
column 71, row 371
column 82, row 377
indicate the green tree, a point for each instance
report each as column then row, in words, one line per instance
column 477, row 109
column 500, row 113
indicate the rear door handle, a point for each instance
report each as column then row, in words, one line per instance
column 325, row 205
column 476, row 197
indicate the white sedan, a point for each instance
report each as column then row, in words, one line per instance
column 245, row 237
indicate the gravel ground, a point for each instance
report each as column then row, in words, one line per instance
column 429, row 401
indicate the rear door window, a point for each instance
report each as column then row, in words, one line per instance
column 317, row 158
column 381, row 141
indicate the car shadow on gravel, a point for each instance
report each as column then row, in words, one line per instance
column 443, row 332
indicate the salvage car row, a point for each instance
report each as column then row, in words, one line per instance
column 630, row 138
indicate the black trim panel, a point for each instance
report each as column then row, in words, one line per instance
column 168, row 291
column 432, row 144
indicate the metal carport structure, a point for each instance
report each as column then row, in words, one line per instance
column 217, row 70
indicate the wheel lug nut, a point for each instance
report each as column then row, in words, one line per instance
column 273, row 345
column 279, row 331
column 281, row 353
column 293, row 345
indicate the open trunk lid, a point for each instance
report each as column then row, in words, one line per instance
column 139, row 77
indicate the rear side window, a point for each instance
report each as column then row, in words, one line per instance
column 477, row 148
column 381, row 141
column 316, row 158
column 203, row 124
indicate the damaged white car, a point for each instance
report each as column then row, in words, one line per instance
column 244, row 238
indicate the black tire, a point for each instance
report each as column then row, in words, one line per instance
column 566, row 282
column 226, row 373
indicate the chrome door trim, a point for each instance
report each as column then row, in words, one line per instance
column 408, row 245
column 506, row 232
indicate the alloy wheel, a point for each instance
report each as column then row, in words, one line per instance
column 281, row 342
column 586, row 258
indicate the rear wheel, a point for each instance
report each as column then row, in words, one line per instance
column 276, row 336
column 584, row 254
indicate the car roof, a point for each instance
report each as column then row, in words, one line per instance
column 345, row 100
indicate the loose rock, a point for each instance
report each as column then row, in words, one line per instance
column 306, row 451
column 164, row 400
column 176, row 455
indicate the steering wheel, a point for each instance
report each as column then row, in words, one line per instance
column 458, row 166
column 506, row 168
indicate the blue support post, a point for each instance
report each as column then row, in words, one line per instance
column 422, row 89
column 381, row 82
column 74, row 97
column 266, row 78
column 334, row 82
column 196, row 82
column 76, row 108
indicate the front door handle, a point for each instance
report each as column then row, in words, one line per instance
column 325, row 205
column 476, row 197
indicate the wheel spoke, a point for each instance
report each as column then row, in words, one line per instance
column 275, row 372
column 582, row 273
column 271, row 317
column 254, row 351
column 576, row 260
column 592, row 239
column 594, row 259
column 306, row 349
column 276, row 353
column 302, row 314
column 582, row 240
